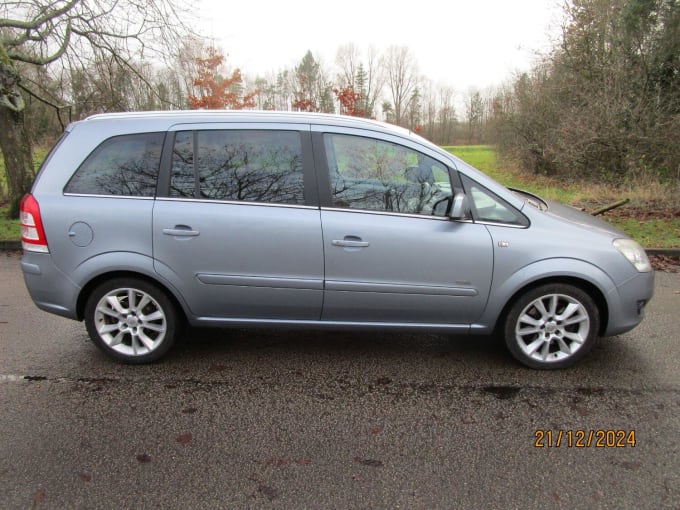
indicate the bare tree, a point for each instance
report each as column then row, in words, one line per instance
column 185, row 63
column 348, row 58
column 446, row 115
column 44, row 32
column 429, row 109
column 401, row 75
column 474, row 115
column 362, row 75
column 374, row 79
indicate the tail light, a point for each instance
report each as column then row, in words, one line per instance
column 32, row 231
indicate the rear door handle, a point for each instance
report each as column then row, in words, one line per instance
column 181, row 231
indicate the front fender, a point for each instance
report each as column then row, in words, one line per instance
column 503, row 289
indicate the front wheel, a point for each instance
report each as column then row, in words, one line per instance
column 552, row 326
column 131, row 320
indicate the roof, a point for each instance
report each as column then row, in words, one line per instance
column 197, row 116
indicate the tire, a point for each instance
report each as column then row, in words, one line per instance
column 136, row 334
column 551, row 326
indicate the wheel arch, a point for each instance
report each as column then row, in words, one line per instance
column 87, row 289
column 588, row 287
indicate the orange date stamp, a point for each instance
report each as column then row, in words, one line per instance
column 581, row 438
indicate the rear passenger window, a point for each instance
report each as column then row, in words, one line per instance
column 123, row 165
column 238, row 165
column 366, row 173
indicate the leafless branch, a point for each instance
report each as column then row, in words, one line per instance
column 41, row 61
column 42, row 99
column 34, row 23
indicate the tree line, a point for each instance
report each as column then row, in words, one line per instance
column 386, row 86
column 604, row 103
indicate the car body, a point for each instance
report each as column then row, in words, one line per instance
column 137, row 222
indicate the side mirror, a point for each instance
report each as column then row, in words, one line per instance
column 459, row 206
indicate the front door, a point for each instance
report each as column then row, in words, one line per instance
column 391, row 254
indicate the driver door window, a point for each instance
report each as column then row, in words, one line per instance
column 372, row 174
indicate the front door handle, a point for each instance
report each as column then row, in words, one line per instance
column 350, row 242
column 181, row 231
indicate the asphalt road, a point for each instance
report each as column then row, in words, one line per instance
column 266, row 419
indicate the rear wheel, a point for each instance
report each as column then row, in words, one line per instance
column 131, row 320
column 552, row 326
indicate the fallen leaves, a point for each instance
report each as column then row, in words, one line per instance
column 665, row 263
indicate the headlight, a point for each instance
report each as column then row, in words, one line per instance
column 634, row 253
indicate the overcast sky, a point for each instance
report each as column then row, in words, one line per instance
column 462, row 43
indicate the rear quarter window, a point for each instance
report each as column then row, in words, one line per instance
column 122, row 165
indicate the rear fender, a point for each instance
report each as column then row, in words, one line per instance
column 115, row 263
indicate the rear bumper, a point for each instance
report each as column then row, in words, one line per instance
column 49, row 288
column 627, row 303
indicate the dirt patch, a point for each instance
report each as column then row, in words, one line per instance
column 643, row 213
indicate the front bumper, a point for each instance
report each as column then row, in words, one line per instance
column 627, row 303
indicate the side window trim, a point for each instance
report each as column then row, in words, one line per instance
column 163, row 184
column 323, row 181
column 309, row 172
column 195, row 160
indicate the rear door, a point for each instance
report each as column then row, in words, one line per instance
column 237, row 229
column 391, row 253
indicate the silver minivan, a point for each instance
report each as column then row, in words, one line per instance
column 140, row 222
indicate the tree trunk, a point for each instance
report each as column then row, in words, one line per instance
column 15, row 146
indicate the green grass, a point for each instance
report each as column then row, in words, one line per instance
column 482, row 157
column 9, row 229
column 655, row 233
